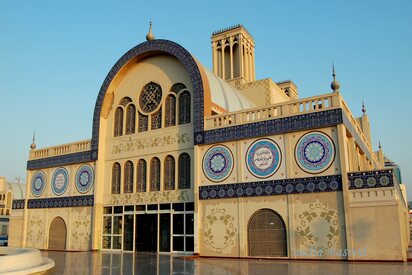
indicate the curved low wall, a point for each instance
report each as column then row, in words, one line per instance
column 15, row 260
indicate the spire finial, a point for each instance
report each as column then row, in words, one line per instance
column 33, row 145
column 150, row 36
column 335, row 84
column 380, row 146
column 363, row 108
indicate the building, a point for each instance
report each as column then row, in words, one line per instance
column 218, row 163
column 9, row 191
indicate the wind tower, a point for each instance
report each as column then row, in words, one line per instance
column 234, row 55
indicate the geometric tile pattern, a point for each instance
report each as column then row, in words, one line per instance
column 274, row 126
column 371, row 179
column 263, row 158
column 18, row 204
column 84, row 178
column 272, row 187
column 73, row 201
column 62, row 160
column 314, row 152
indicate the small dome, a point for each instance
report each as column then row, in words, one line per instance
column 150, row 36
column 33, row 146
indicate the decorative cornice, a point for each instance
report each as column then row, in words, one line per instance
column 272, row 187
column 371, row 179
column 62, row 160
column 270, row 127
column 74, row 201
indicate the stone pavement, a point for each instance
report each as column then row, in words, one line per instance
column 147, row 264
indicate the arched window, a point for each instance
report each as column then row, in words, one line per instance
column 130, row 119
column 118, row 122
column 184, row 171
column 177, row 87
column 128, row 177
column 116, row 174
column 143, row 122
column 157, row 120
column 155, row 174
column 169, row 173
column 170, row 112
column 141, row 175
column 184, row 108
column 267, row 234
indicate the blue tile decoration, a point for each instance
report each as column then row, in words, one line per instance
column 38, row 183
column 4, row 219
column 84, row 178
column 145, row 50
column 371, row 179
column 315, row 152
column 63, row 160
column 272, row 187
column 282, row 125
column 60, row 181
column 73, row 201
column 218, row 163
column 18, row 204
column 263, row 158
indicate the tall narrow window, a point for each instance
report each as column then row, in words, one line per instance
column 155, row 174
column 128, row 177
column 116, row 174
column 130, row 119
column 169, row 173
column 118, row 122
column 141, row 176
column 143, row 122
column 170, row 112
column 184, row 108
column 157, row 120
column 184, row 171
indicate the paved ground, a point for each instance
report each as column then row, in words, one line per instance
column 147, row 264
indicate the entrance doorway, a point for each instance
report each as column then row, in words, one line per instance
column 267, row 234
column 57, row 234
column 146, row 232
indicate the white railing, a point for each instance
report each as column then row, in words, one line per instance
column 289, row 108
column 64, row 149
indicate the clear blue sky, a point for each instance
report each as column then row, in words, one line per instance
column 54, row 56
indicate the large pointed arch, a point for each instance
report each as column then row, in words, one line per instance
column 201, row 91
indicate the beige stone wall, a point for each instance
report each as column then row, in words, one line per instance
column 16, row 231
column 314, row 224
column 78, row 226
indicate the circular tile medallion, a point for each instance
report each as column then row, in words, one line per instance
column 60, row 181
column 38, row 183
column 84, row 178
column 263, row 158
column 315, row 152
column 218, row 163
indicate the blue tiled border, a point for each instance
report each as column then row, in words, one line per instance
column 74, row 201
column 274, row 126
column 18, row 204
column 62, row 160
column 272, row 187
column 376, row 176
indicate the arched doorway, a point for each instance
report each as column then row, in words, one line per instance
column 57, row 234
column 267, row 234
